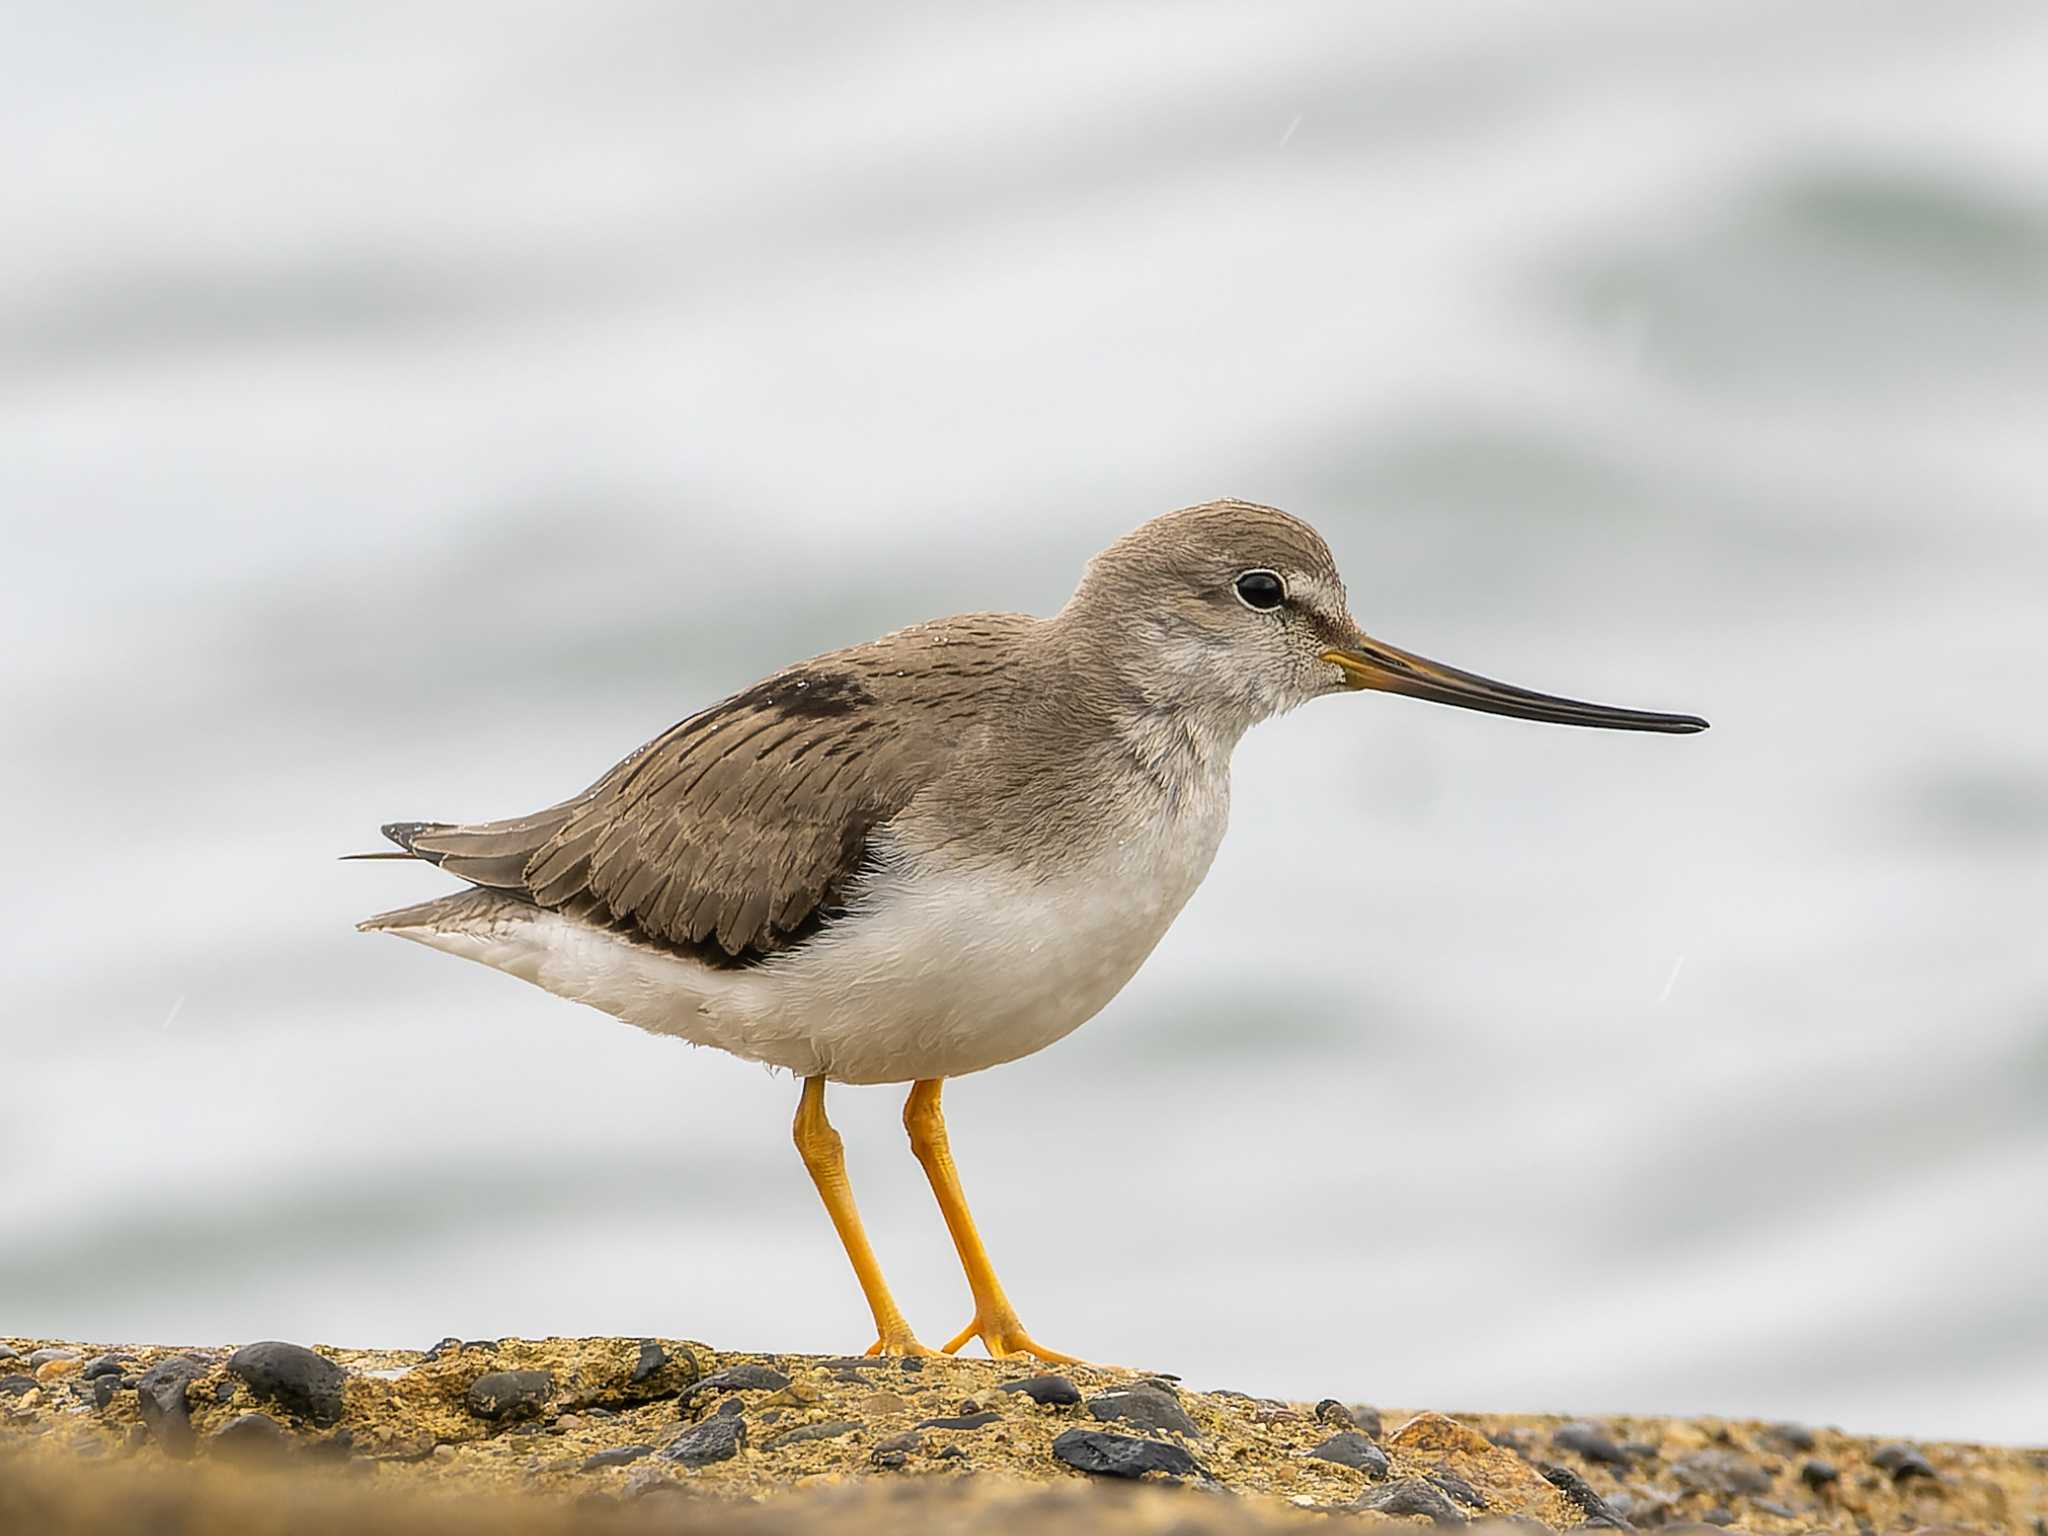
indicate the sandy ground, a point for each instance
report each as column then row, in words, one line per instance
column 670, row 1434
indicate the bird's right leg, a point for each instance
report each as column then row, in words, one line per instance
column 824, row 1157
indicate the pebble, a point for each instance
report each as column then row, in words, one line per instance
column 1590, row 1441
column 652, row 1358
column 253, row 1439
column 961, row 1421
column 14, row 1386
column 804, row 1432
column 292, row 1376
column 45, row 1356
column 617, row 1456
column 1145, row 1405
column 717, row 1438
column 878, row 1404
column 1351, row 1449
column 1902, row 1461
column 1722, row 1472
column 160, row 1397
column 1794, row 1437
column 103, row 1389
column 1410, row 1496
column 506, row 1397
column 738, row 1378
column 104, row 1365
column 1046, row 1391
column 1105, row 1455
column 1817, row 1474
column 1458, row 1489
column 9, row 1352
column 1574, row 1487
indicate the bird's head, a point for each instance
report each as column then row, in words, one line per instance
column 1235, row 612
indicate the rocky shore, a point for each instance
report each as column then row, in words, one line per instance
column 677, row 1433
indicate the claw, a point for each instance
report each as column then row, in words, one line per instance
column 1005, row 1338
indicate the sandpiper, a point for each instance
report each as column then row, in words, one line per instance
column 939, row 851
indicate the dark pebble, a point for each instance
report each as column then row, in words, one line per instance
column 14, row 1386
column 737, row 1378
column 506, row 1397
column 952, row 1451
column 1591, row 1442
column 1902, row 1461
column 45, row 1356
column 1458, row 1489
column 103, row 1389
column 103, row 1365
column 9, row 1352
column 224, row 1391
column 961, row 1421
column 718, row 1438
column 732, row 1407
column 911, row 1363
column 652, row 1358
column 888, row 1461
column 1048, row 1391
column 804, row 1432
column 160, row 1396
column 1574, row 1487
column 1723, row 1472
column 254, row 1439
column 1351, row 1449
column 1794, row 1437
column 1106, row 1455
column 617, row 1456
column 293, row 1377
column 1817, row 1474
column 909, row 1440
column 1411, row 1496
column 1145, row 1405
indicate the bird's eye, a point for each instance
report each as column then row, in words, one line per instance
column 1261, row 590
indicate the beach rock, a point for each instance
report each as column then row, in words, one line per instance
column 1146, row 1405
column 1590, row 1441
column 293, row 1377
column 1902, row 1461
column 16, row 1385
column 718, row 1438
column 806, row 1432
column 1410, row 1496
column 1351, row 1449
column 1582, row 1493
column 104, row 1365
column 1047, row 1391
column 160, row 1394
column 961, row 1421
column 1817, row 1474
column 46, row 1356
column 507, row 1397
column 1102, row 1454
column 652, row 1358
column 1723, row 1472
column 1793, row 1437
column 747, row 1377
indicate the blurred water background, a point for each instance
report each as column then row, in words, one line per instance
column 405, row 411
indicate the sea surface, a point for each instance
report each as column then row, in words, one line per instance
column 407, row 410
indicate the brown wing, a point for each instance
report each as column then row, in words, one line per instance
column 735, row 827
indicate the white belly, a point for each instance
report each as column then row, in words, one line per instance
column 941, row 970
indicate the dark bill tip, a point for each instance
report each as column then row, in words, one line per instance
column 1369, row 664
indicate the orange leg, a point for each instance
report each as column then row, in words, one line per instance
column 824, row 1156
column 995, row 1320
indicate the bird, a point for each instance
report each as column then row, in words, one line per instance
column 939, row 851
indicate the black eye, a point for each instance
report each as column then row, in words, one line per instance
column 1261, row 590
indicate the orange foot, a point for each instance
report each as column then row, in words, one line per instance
column 1003, row 1337
column 904, row 1343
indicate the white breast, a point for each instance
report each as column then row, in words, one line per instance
column 946, row 966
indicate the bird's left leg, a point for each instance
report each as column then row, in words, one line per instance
column 995, row 1320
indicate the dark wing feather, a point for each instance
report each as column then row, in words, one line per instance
column 737, row 827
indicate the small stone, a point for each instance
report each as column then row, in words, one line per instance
column 14, row 1386
column 878, row 1404
column 910, row 1363
column 1330, row 1411
column 888, row 1461
column 254, row 1439
column 651, row 1359
column 1105, row 1455
column 1727, row 1473
column 293, row 1377
column 104, row 1365
column 1574, row 1487
column 807, row 1432
column 1458, row 1489
column 1046, row 1391
column 507, row 1397
column 961, row 1421
column 617, row 1456
column 1146, row 1405
column 1410, row 1496
column 747, row 1377
column 53, row 1352
column 731, row 1408
column 1351, row 1449
column 57, row 1370
column 1590, row 1441
column 160, row 1396
column 103, row 1389
column 1794, row 1437
column 717, row 1438
column 1902, row 1461
column 9, row 1352
column 1817, row 1474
